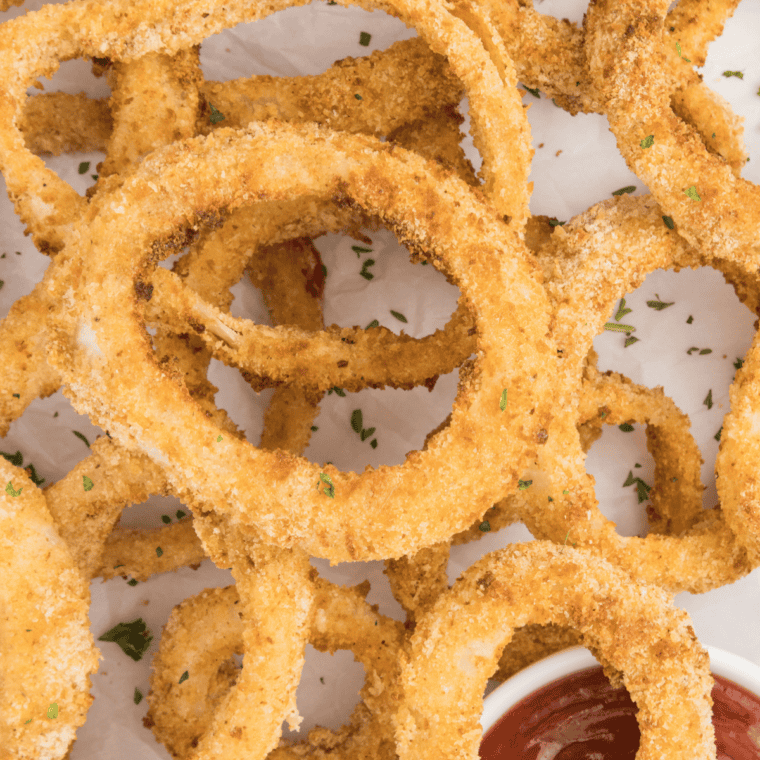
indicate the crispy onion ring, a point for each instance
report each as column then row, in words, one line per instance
column 358, row 520
column 713, row 208
column 549, row 56
column 634, row 629
column 204, row 631
column 561, row 504
column 48, row 653
column 49, row 206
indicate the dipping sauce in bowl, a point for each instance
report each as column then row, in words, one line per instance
column 580, row 716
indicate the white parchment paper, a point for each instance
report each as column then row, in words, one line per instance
column 576, row 164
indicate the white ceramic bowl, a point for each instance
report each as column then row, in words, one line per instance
column 500, row 700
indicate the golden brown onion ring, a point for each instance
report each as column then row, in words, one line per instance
column 713, row 208
column 49, row 206
column 205, row 631
column 634, row 629
column 463, row 234
column 549, row 56
column 48, row 653
column 587, row 273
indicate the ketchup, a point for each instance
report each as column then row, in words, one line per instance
column 581, row 717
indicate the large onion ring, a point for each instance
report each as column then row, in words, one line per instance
column 480, row 453
column 633, row 628
column 49, row 206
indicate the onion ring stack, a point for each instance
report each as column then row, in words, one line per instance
column 236, row 178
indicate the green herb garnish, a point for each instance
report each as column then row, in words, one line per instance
column 180, row 514
column 485, row 526
column 659, row 305
column 739, row 363
column 166, row 519
column 134, row 638
column 366, row 433
column 689, row 320
column 364, row 272
column 556, row 223
column 642, row 488
column 373, row 443
column 737, row 74
column 626, row 427
column 669, row 223
column 503, row 400
column 16, row 459
column 708, row 402
column 184, row 677
column 81, row 438
column 627, row 190
column 357, row 96
column 629, row 341
column 11, row 491
column 524, row 485
column 647, row 142
column 84, row 167
column 622, row 310
column 132, row 582
column 692, row 193
column 680, row 55
column 357, row 249
column 159, row 551
column 373, row 323
column 399, row 316
column 216, row 116
column 718, row 434
column 138, row 697
column 87, row 483
column 615, row 327
column 356, row 420
column 364, row 38
column 52, row 711
column 329, row 489
column 535, row 92
column 337, row 391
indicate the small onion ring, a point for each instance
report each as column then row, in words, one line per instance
column 634, row 629
column 204, row 631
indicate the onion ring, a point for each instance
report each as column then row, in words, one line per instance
column 634, row 629
column 713, row 208
column 342, row 536
column 49, row 206
column 204, row 632
column 560, row 503
column 48, row 652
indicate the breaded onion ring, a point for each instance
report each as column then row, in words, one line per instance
column 634, row 629
column 496, row 416
column 713, row 208
column 48, row 653
column 588, row 271
column 203, row 633
column 50, row 207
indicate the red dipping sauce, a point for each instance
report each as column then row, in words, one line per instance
column 581, row 717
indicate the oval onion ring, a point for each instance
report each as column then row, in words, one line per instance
column 382, row 512
column 634, row 629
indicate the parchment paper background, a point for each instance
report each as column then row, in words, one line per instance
column 576, row 164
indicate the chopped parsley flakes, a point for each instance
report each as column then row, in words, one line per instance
column 134, row 638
